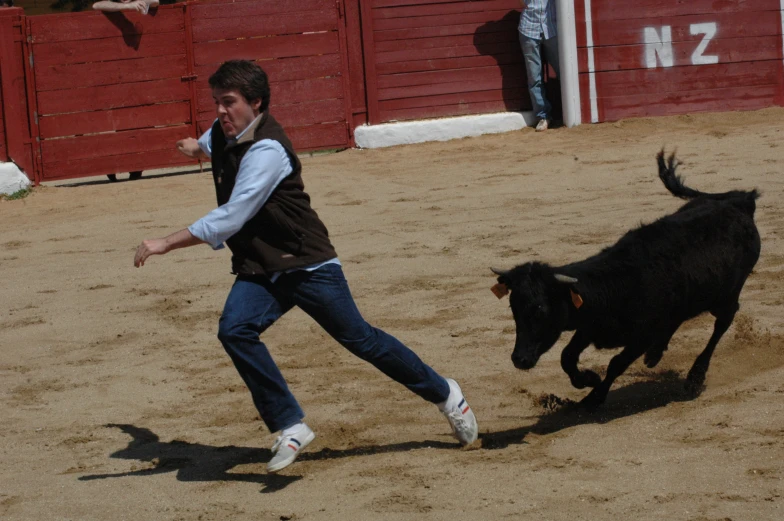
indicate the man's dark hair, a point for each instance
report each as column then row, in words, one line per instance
column 246, row 77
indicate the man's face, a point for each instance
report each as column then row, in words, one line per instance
column 234, row 112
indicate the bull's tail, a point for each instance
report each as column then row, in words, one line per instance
column 674, row 183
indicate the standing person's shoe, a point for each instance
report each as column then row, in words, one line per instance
column 460, row 416
column 287, row 448
column 543, row 125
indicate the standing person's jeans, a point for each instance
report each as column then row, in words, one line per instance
column 533, row 69
column 254, row 304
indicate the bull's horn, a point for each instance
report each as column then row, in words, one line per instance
column 500, row 273
column 565, row 279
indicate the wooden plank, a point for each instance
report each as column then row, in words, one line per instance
column 671, row 103
column 12, row 81
column 446, row 52
column 77, row 123
column 108, row 49
column 64, row 27
column 112, row 96
column 112, row 144
column 396, row 3
column 265, row 48
column 256, row 9
column 480, row 41
column 58, row 77
column 515, row 58
column 3, row 149
column 115, row 164
column 683, row 79
column 504, row 25
column 287, row 92
column 356, row 65
column 284, row 69
column 422, row 9
column 439, row 20
column 446, row 76
column 437, row 111
column 489, row 83
column 299, row 114
column 625, row 57
column 304, row 114
column 478, row 96
column 730, row 25
column 211, row 29
column 619, row 10
column 314, row 137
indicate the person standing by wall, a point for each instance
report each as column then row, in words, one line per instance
column 538, row 36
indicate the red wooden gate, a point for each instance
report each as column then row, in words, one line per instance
column 113, row 93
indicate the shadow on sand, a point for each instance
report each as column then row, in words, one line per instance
column 198, row 462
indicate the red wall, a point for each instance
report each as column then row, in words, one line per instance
column 442, row 58
column 713, row 56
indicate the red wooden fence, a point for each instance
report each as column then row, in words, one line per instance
column 86, row 94
column 301, row 44
column 660, row 57
column 427, row 58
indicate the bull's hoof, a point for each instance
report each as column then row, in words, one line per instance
column 586, row 378
column 591, row 402
column 695, row 381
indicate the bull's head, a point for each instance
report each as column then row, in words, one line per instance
column 540, row 302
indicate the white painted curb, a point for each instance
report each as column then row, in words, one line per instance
column 444, row 129
column 12, row 179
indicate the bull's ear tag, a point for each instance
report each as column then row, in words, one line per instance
column 500, row 290
column 577, row 300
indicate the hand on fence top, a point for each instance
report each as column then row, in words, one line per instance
column 142, row 6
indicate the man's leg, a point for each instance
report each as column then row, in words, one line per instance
column 250, row 309
column 533, row 70
column 324, row 295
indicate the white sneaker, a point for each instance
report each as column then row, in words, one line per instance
column 287, row 448
column 460, row 416
column 543, row 125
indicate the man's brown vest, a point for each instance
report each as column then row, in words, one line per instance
column 286, row 233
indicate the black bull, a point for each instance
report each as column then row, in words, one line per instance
column 636, row 293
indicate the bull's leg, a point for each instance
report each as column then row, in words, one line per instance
column 697, row 372
column 655, row 352
column 569, row 358
column 617, row 366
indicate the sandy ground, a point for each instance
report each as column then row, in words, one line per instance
column 119, row 403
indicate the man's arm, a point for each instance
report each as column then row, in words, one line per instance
column 262, row 168
column 180, row 239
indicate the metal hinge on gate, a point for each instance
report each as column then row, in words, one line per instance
column 190, row 77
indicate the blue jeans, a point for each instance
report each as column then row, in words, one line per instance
column 533, row 69
column 254, row 304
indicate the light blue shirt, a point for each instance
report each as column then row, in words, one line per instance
column 538, row 19
column 263, row 167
